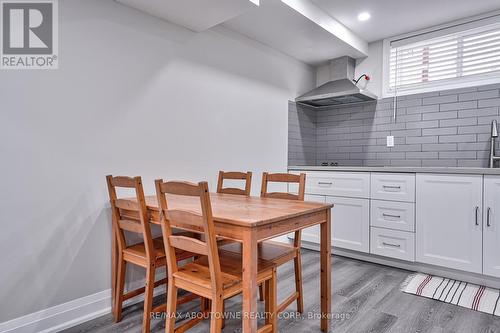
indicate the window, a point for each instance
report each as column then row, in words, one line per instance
column 424, row 62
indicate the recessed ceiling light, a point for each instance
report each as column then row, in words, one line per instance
column 364, row 16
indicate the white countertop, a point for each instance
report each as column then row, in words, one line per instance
column 451, row 170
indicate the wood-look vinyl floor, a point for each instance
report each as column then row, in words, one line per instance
column 366, row 298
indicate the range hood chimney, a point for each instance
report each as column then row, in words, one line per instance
column 341, row 89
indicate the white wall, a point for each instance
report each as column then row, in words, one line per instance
column 133, row 96
column 372, row 65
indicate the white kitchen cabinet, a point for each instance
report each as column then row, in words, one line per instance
column 491, row 226
column 311, row 234
column 449, row 221
column 350, row 223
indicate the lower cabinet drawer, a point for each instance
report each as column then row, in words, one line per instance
column 392, row 243
column 342, row 184
column 393, row 186
column 393, row 215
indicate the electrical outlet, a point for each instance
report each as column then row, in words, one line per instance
column 390, row 141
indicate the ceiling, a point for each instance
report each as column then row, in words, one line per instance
column 314, row 31
column 395, row 17
column 196, row 15
column 283, row 28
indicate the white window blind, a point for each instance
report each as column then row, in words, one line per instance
column 463, row 56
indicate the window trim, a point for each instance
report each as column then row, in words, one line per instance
column 460, row 25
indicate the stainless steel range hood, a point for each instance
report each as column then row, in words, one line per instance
column 340, row 90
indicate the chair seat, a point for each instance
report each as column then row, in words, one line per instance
column 276, row 252
column 198, row 273
column 138, row 252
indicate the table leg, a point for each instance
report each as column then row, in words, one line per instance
column 250, row 288
column 325, row 271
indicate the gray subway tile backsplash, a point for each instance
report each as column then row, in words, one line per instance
column 423, row 109
column 409, row 102
column 458, row 138
column 479, row 129
column 440, row 99
column 458, row 91
column 436, row 147
column 423, row 124
column 422, row 139
column 457, row 122
column 420, row 155
column 446, row 128
column 480, row 95
column 458, row 106
column 489, row 102
column 440, row 131
column 440, row 115
column 492, row 111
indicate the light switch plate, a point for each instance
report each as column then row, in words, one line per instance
column 390, row 141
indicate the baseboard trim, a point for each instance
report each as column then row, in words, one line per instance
column 69, row 314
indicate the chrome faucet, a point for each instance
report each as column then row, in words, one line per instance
column 494, row 135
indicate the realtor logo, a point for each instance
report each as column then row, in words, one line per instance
column 29, row 34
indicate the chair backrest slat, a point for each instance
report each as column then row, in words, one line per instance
column 283, row 178
column 128, row 215
column 180, row 188
column 232, row 175
column 185, row 220
column 189, row 244
column 233, row 190
column 235, row 174
column 122, row 181
column 129, row 225
column 190, row 221
column 281, row 195
column 126, row 204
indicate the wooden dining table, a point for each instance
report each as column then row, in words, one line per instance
column 251, row 220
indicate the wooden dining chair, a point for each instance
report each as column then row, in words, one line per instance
column 246, row 176
column 149, row 253
column 216, row 275
column 277, row 252
column 233, row 175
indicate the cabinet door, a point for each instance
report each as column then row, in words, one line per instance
column 311, row 234
column 449, row 215
column 350, row 223
column 491, row 226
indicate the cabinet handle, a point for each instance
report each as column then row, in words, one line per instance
column 477, row 211
column 325, row 183
column 390, row 215
column 389, row 244
column 392, row 186
column 488, row 218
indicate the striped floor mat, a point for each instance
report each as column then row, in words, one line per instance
column 467, row 295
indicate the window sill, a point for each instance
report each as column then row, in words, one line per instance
column 443, row 87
